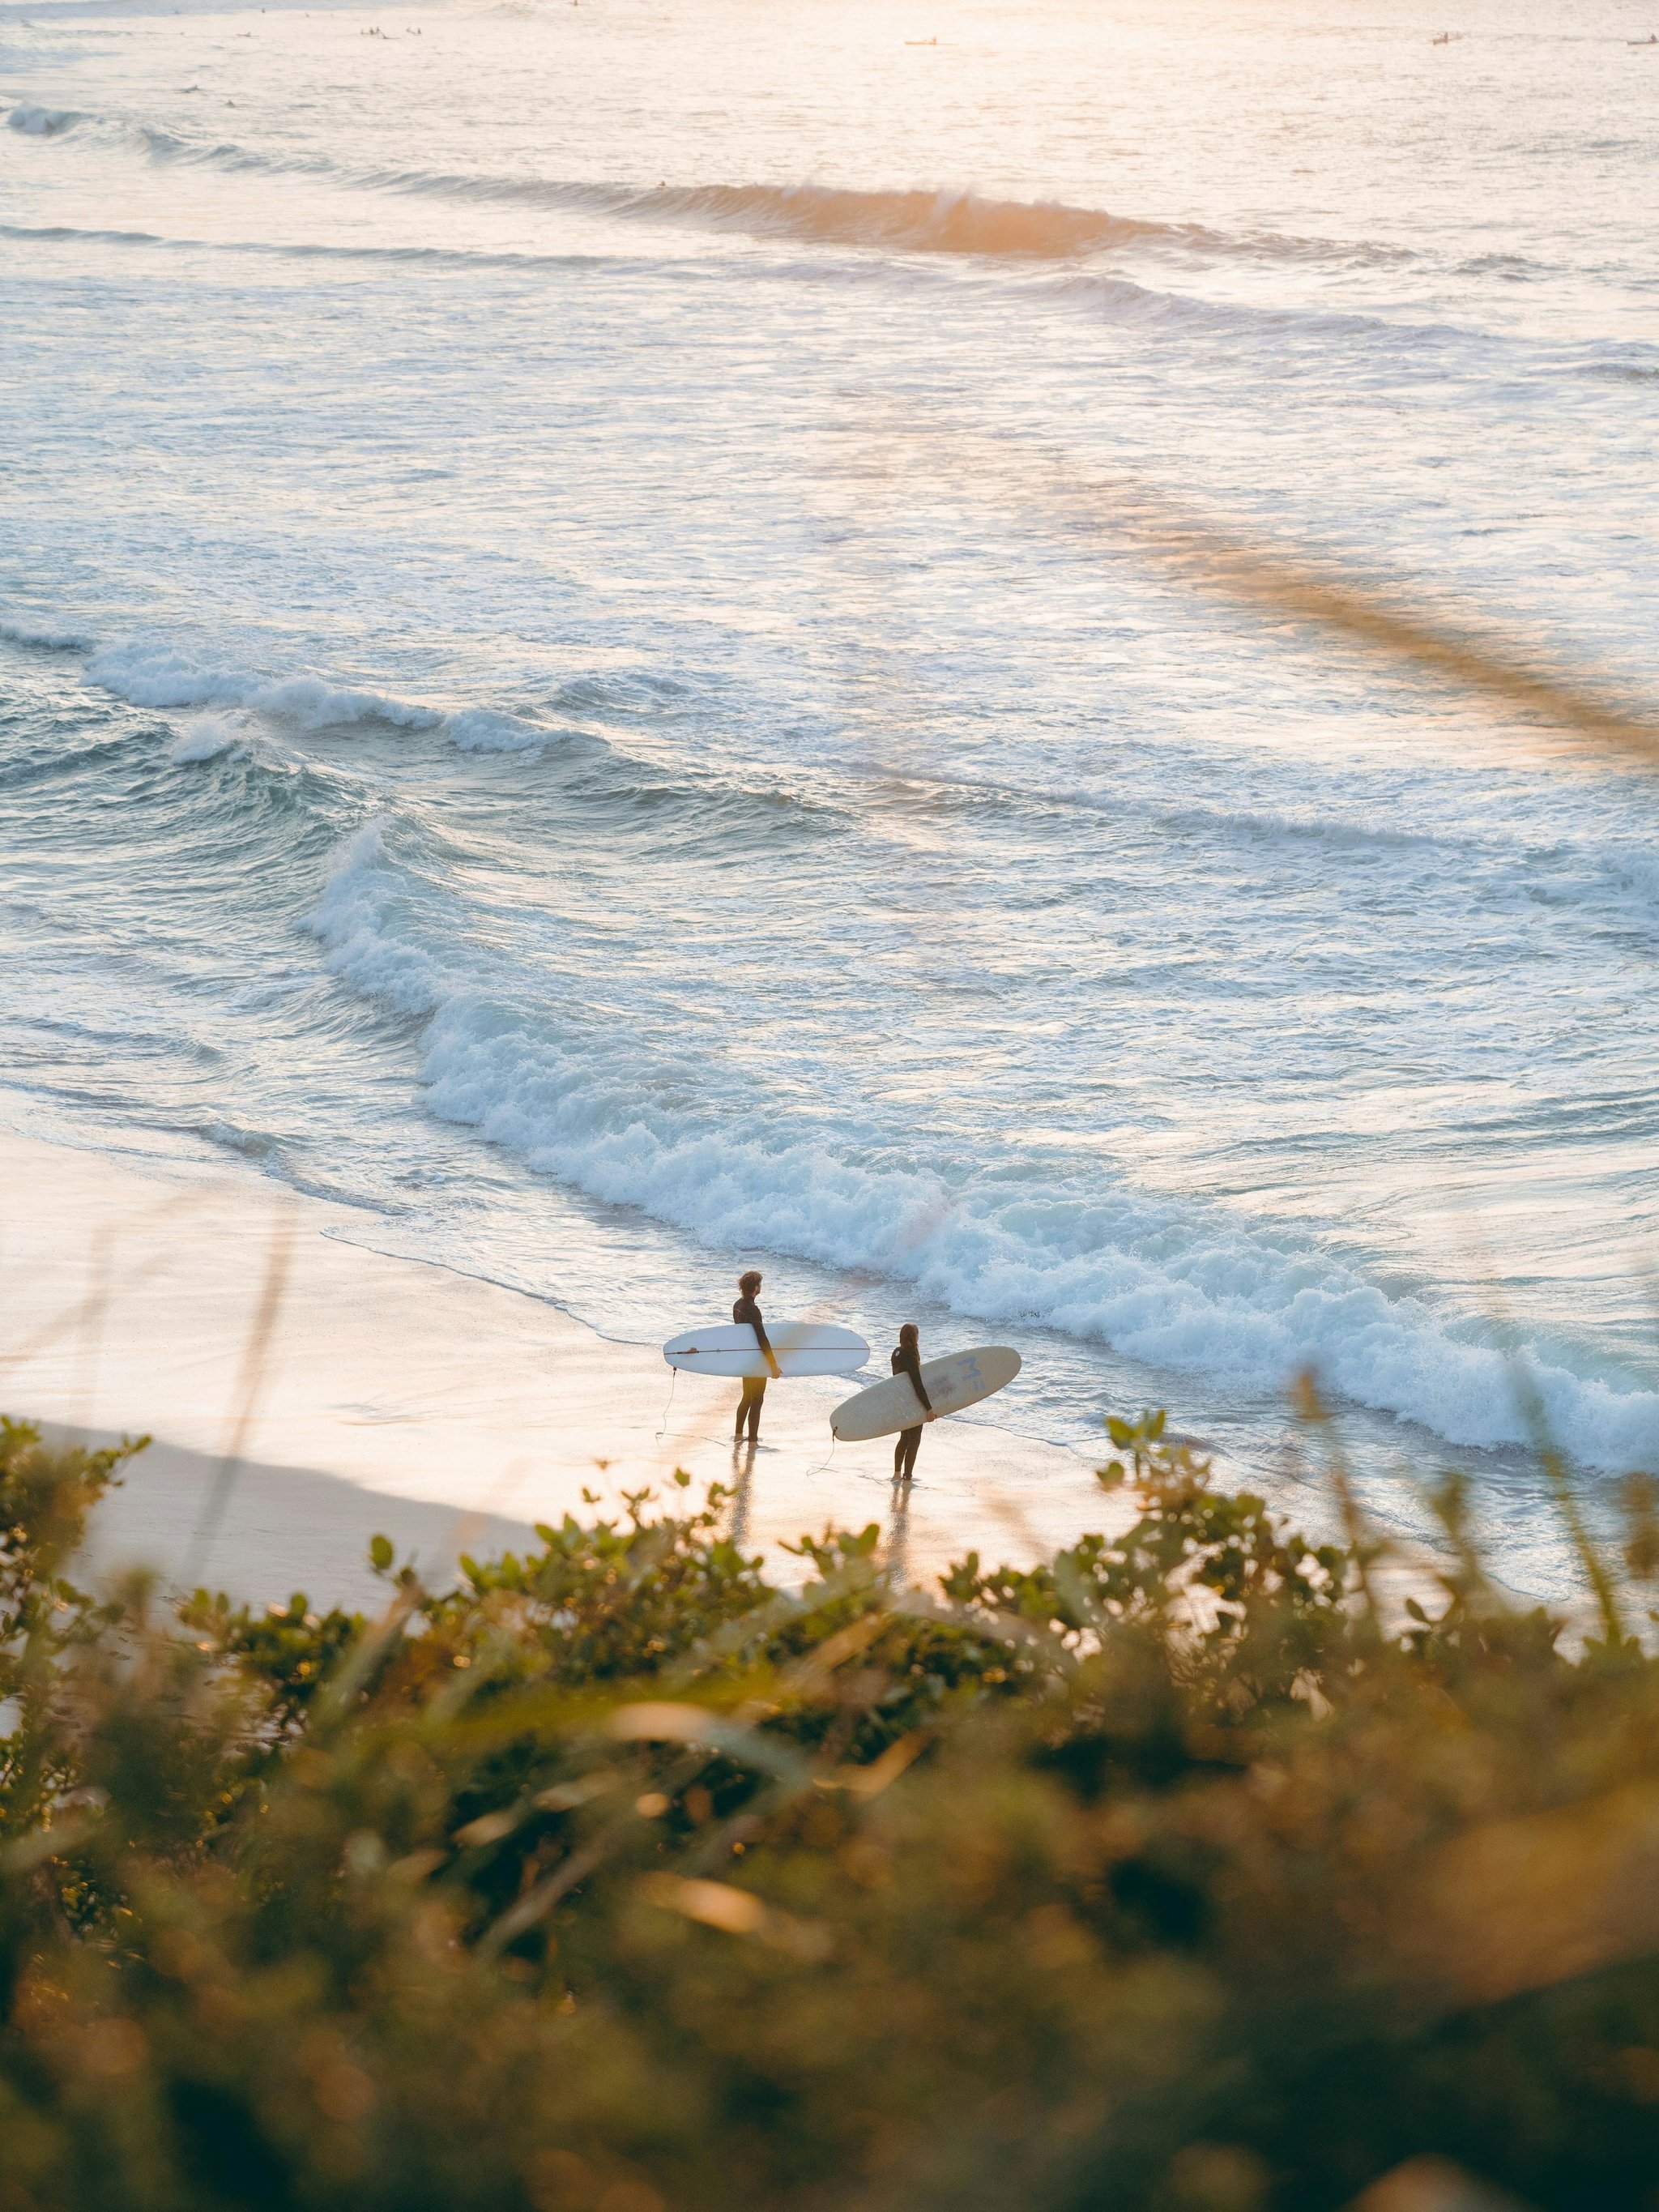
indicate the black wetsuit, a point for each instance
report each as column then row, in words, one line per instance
column 907, row 1360
column 754, row 1386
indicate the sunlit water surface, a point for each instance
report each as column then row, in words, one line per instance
column 562, row 677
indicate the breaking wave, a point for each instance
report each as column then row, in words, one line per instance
column 150, row 675
column 43, row 122
column 205, row 739
column 50, row 637
column 939, row 220
column 1156, row 1279
column 156, row 676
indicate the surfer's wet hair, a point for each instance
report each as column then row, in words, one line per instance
column 750, row 1280
column 908, row 1334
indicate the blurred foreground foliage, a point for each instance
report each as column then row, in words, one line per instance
column 1185, row 1872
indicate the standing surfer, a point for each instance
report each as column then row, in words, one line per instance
column 907, row 1360
column 754, row 1386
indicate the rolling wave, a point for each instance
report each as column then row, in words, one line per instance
column 49, row 637
column 1122, row 300
column 592, row 1105
column 944, row 221
column 417, row 256
column 218, row 711
column 150, row 675
column 43, row 122
column 1157, row 1280
column 146, row 673
column 1117, row 298
column 939, row 220
column 1617, row 879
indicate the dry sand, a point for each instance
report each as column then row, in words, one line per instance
column 391, row 1395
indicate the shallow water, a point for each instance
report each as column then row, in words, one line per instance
column 570, row 673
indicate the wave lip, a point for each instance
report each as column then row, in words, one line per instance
column 943, row 221
column 482, row 729
column 923, row 221
column 350, row 922
column 205, row 739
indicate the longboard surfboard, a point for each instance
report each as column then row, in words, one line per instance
column 803, row 1347
column 961, row 1379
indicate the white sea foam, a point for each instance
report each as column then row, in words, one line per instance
column 315, row 705
column 42, row 122
column 481, row 730
column 51, row 637
column 205, row 739
column 150, row 675
column 351, row 922
column 1154, row 1282
column 1179, row 1287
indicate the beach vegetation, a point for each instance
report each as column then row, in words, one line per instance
column 1202, row 1868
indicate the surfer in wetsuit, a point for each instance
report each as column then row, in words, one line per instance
column 754, row 1386
column 907, row 1360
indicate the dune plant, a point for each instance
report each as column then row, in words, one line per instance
column 1178, row 1872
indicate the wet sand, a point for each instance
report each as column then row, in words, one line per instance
column 233, row 1321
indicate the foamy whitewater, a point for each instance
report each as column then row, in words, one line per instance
column 563, row 680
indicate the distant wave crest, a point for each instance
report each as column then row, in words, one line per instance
column 937, row 220
column 50, row 637
column 149, row 675
column 950, row 221
column 43, row 122
column 920, row 221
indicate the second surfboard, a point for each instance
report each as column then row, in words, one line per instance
column 960, row 1379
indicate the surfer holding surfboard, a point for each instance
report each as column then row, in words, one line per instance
column 907, row 1360
column 754, row 1386
column 942, row 1386
column 744, row 1348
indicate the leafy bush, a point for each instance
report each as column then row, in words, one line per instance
column 1175, row 1873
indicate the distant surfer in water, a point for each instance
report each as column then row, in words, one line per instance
column 907, row 1360
column 754, row 1386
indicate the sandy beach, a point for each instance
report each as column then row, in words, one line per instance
column 389, row 1395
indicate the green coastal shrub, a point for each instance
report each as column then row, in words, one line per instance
column 1176, row 1873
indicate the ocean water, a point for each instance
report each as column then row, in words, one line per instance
column 571, row 674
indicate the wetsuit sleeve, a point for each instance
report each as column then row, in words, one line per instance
column 746, row 1309
column 909, row 1363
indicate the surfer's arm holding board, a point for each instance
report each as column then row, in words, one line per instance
column 746, row 1309
column 886, row 1409
column 907, row 1360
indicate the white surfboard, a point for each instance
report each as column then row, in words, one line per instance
column 803, row 1347
column 962, row 1379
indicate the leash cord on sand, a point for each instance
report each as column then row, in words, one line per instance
column 673, row 1377
column 833, row 1441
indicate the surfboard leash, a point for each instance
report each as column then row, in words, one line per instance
column 673, row 1377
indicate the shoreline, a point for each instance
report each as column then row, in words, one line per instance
column 389, row 1393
